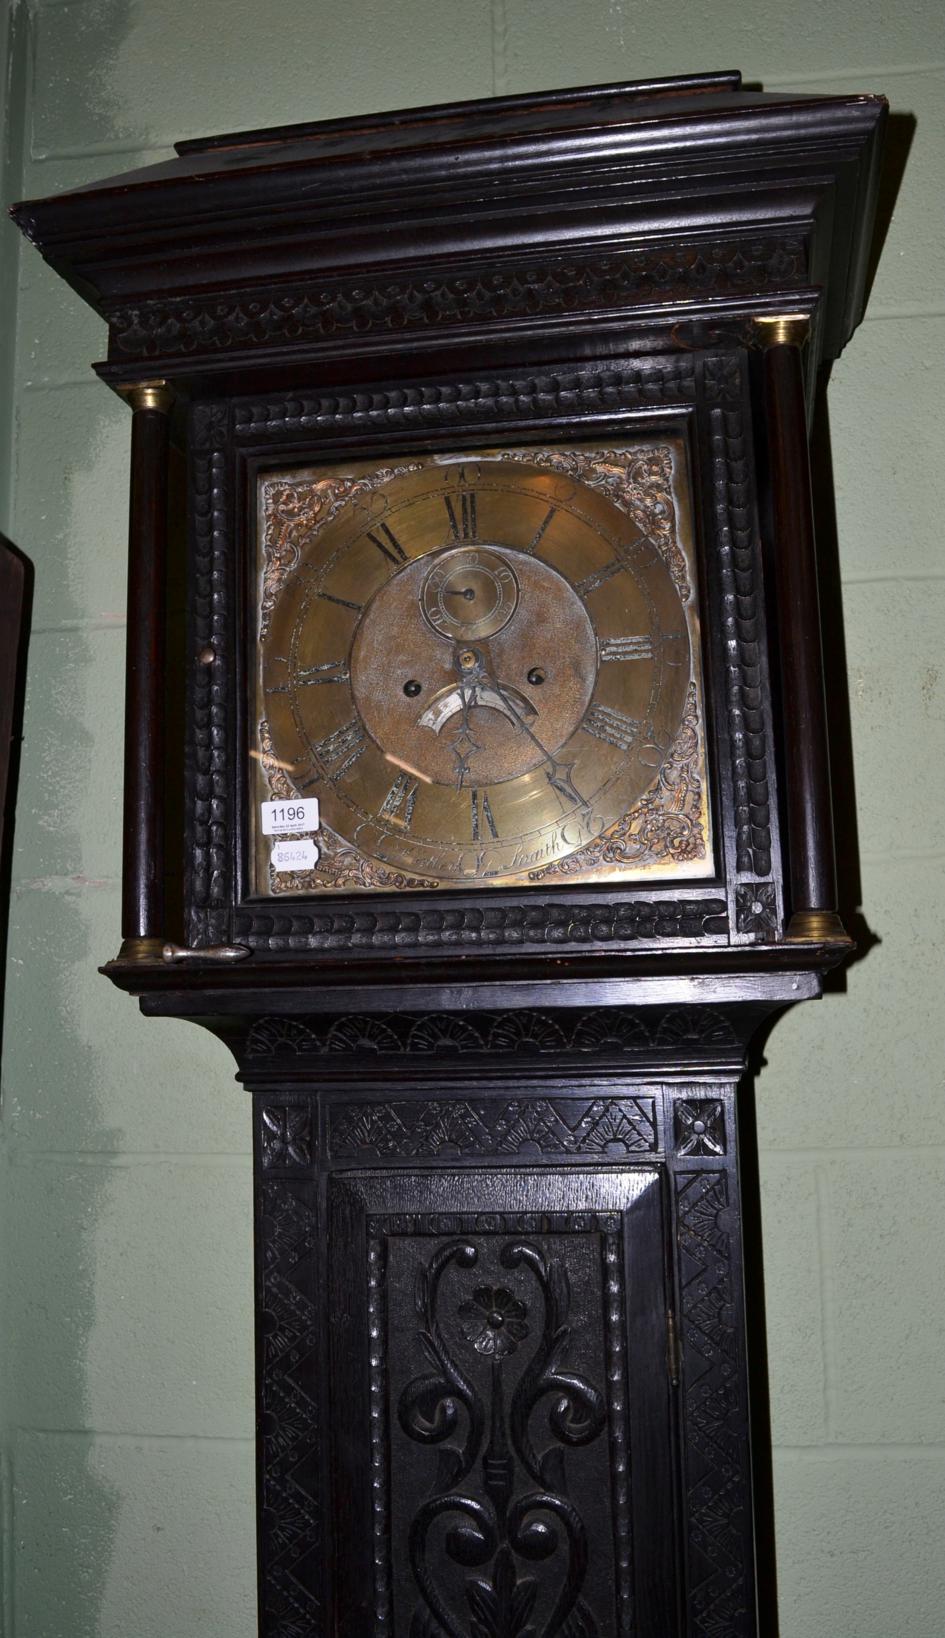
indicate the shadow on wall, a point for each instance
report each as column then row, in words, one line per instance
column 16, row 603
column 897, row 144
column 900, row 132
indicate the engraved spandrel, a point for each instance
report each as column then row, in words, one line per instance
column 293, row 510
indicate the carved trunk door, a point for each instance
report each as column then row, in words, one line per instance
column 504, row 1338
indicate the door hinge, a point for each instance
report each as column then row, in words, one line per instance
column 673, row 1360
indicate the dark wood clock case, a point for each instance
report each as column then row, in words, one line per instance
column 502, row 1378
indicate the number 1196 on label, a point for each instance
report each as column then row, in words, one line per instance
column 298, row 816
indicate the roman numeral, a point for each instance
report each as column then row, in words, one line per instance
column 402, row 795
column 342, row 602
column 333, row 671
column 625, row 648
column 481, row 811
column 605, row 723
column 463, row 523
column 340, row 750
column 390, row 546
column 536, row 541
column 592, row 581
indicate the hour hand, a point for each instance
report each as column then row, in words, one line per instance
column 558, row 775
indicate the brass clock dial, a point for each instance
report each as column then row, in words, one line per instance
column 478, row 664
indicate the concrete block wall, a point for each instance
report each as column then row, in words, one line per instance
column 126, row 1374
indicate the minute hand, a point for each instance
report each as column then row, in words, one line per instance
column 558, row 774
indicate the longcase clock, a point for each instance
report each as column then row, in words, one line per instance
column 496, row 817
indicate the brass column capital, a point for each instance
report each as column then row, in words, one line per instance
column 781, row 329
column 149, row 395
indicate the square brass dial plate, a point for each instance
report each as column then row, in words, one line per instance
column 485, row 665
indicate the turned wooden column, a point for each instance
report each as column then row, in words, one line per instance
column 142, row 904
column 812, row 877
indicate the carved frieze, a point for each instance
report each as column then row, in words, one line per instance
column 470, row 927
column 522, row 1033
column 321, row 312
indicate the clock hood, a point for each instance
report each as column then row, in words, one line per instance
column 691, row 200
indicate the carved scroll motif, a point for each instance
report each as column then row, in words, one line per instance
column 499, row 1504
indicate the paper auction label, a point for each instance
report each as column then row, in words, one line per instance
column 300, row 815
column 295, row 855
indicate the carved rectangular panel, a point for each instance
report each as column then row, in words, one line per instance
column 292, row 1530
column 717, row 1479
column 492, row 1127
column 510, row 1331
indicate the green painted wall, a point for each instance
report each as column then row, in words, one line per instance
column 126, row 1381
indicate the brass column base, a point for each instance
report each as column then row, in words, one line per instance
column 816, row 927
column 141, row 949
